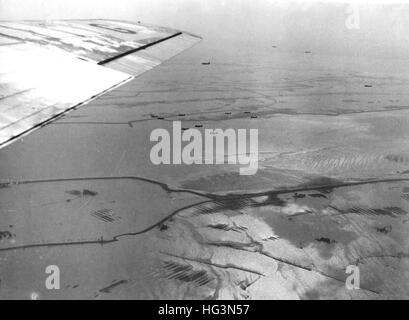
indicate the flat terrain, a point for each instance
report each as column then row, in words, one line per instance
column 332, row 188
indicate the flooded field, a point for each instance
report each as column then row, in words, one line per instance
column 331, row 190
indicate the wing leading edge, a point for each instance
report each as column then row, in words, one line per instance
column 49, row 68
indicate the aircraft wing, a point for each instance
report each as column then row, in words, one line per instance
column 50, row 68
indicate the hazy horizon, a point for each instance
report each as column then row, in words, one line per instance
column 292, row 25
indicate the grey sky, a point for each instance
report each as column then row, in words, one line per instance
column 292, row 25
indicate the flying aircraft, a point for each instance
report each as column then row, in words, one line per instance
column 85, row 214
column 51, row 68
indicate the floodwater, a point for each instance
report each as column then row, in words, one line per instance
column 332, row 188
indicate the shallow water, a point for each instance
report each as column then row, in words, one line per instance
column 82, row 192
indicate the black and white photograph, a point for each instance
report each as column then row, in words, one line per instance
column 228, row 150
